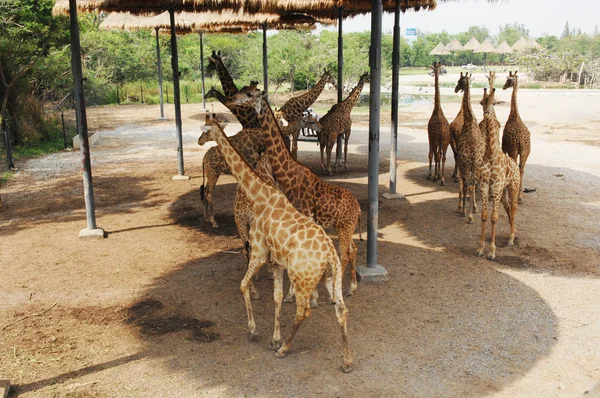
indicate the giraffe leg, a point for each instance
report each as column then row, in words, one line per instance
column 444, row 150
column 258, row 256
column 346, row 140
column 522, row 160
column 461, row 183
column 347, row 255
column 484, row 216
column 436, row 156
column 429, row 176
column 471, row 188
column 497, row 196
column 212, row 176
column 475, row 190
column 278, row 297
column 291, row 294
column 302, row 311
column 513, row 203
column 322, row 146
column 455, row 172
column 329, row 148
column 295, row 144
column 341, row 313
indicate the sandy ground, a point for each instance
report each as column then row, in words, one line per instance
column 155, row 309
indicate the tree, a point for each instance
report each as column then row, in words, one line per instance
column 566, row 32
column 511, row 33
column 595, row 31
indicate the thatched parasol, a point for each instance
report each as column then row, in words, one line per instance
column 531, row 43
column 453, row 46
column 472, row 45
column 504, row 48
column 520, row 44
column 440, row 49
column 486, row 47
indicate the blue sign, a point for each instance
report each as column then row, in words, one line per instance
column 411, row 31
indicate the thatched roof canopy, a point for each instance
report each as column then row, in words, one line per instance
column 440, row 49
column 504, row 48
column 486, row 47
column 519, row 44
column 318, row 8
column 531, row 43
column 472, row 45
column 454, row 45
column 226, row 22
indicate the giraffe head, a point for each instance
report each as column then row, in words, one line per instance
column 279, row 117
column 248, row 96
column 311, row 122
column 208, row 132
column 212, row 93
column 437, row 68
column 488, row 101
column 511, row 80
column 213, row 60
column 463, row 82
column 365, row 77
column 329, row 77
column 491, row 78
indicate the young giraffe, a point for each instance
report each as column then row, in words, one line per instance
column 516, row 139
column 246, row 141
column 338, row 121
column 438, row 131
column 293, row 110
column 293, row 242
column 246, row 117
column 499, row 173
column 470, row 147
column 329, row 205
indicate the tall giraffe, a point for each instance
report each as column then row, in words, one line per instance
column 246, row 141
column 329, row 205
column 216, row 61
column 438, row 131
column 516, row 138
column 293, row 242
column 292, row 111
column 499, row 173
column 470, row 147
column 338, row 121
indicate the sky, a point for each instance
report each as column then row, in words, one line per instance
column 539, row 16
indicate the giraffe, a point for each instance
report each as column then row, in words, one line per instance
column 246, row 141
column 491, row 80
column 516, row 139
column 438, row 131
column 293, row 242
column 500, row 174
column 246, row 117
column 293, row 129
column 338, row 121
column 329, row 205
column 292, row 110
column 455, row 130
column 471, row 147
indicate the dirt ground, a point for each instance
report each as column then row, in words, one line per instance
column 155, row 309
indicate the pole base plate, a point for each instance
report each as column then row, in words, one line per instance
column 389, row 195
column 377, row 274
column 88, row 233
column 180, row 178
column 163, row 118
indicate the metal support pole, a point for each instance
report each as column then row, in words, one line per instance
column 160, row 78
column 177, row 98
column 62, row 116
column 82, row 130
column 340, row 10
column 202, row 70
column 265, row 60
column 395, row 83
column 118, row 97
column 374, row 272
column 142, row 93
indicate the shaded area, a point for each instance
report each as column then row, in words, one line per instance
column 58, row 201
column 471, row 328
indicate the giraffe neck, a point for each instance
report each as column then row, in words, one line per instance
column 249, row 181
column 349, row 102
column 305, row 100
column 514, row 110
column 437, row 105
column 492, row 147
column 229, row 86
column 281, row 159
column 466, row 105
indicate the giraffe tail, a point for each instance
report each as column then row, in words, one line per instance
column 202, row 193
column 359, row 229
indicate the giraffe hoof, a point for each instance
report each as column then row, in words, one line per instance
column 215, row 225
column 479, row 253
column 288, row 299
column 428, row 177
column 347, row 367
column 491, row 257
column 253, row 336
column 275, row 345
column 520, row 200
column 314, row 304
column 511, row 243
column 443, row 183
column 280, row 353
column 470, row 220
column 255, row 295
